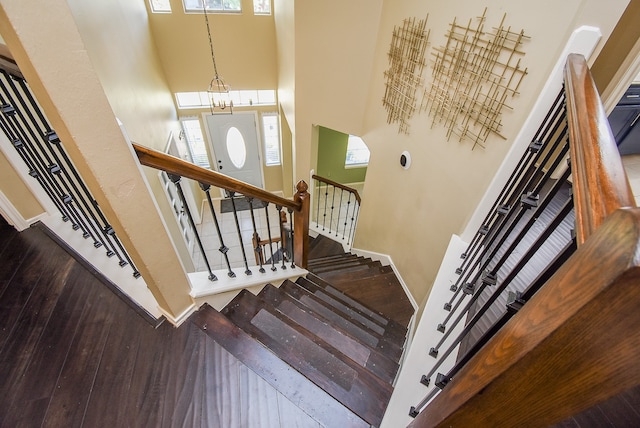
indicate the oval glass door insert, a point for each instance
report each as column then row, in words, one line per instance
column 236, row 147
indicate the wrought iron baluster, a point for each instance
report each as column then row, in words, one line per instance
column 258, row 248
column 273, row 261
column 291, row 250
column 176, row 180
column 318, row 189
column 283, row 237
column 356, row 209
column 39, row 130
column 562, row 214
column 346, row 217
column 333, row 202
column 223, row 248
column 326, row 198
column 529, row 181
column 539, row 241
column 247, row 271
column 339, row 211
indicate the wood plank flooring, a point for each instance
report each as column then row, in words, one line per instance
column 72, row 354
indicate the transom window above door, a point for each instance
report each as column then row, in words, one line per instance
column 212, row 5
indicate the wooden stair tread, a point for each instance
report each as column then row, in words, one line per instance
column 331, row 273
column 386, row 298
column 389, row 329
column 343, row 276
column 331, row 259
column 389, row 348
column 346, row 266
column 382, row 366
column 390, row 335
column 293, row 385
column 278, row 295
column 330, row 289
column 355, row 387
column 322, row 246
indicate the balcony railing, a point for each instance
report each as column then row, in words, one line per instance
column 275, row 231
column 548, row 291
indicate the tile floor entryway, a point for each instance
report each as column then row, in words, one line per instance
column 211, row 242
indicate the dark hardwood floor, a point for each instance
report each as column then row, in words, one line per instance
column 72, row 354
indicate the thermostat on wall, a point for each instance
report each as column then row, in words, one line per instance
column 405, row 160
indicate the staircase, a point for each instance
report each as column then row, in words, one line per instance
column 324, row 341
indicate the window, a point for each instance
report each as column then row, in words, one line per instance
column 195, row 141
column 212, row 5
column 357, row 152
column 160, row 6
column 240, row 98
column 262, row 7
column 271, row 134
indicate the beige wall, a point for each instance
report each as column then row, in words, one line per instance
column 120, row 44
column 17, row 192
column 244, row 47
column 339, row 50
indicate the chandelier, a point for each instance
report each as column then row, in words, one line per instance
column 217, row 88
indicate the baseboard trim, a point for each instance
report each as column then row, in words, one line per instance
column 177, row 321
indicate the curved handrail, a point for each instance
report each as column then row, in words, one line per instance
column 174, row 165
column 339, row 186
column 599, row 180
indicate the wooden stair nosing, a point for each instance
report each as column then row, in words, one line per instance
column 366, row 395
column 389, row 329
column 338, row 264
column 388, row 350
column 388, row 346
column 333, row 290
column 331, row 271
column 331, row 259
column 341, row 277
column 367, row 356
column 289, row 382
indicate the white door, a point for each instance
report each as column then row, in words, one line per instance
column 234, row 139
column 181, row 151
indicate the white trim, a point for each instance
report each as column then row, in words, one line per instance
column 582, row 41
column 13, row 216
column 177, row 321
column 201, row 286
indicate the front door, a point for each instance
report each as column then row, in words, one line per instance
column 234, row 139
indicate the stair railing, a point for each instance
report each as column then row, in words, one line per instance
column 547, row 356
column 336, row 209
column 45, row 157
column 272, row 224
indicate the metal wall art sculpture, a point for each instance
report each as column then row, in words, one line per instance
column 474, row 75
column 403, row 78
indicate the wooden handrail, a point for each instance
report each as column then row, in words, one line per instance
column 174, row 165
column 339, row 186
column 600, row 185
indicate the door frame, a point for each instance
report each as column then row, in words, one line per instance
column 258, row 142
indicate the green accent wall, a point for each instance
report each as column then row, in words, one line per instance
column 332, row 153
